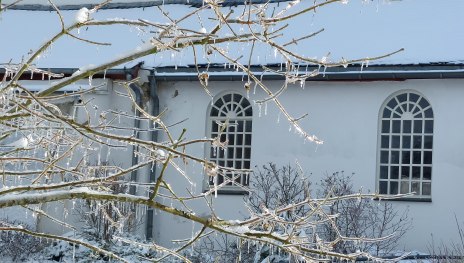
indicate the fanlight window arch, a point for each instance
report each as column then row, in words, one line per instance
column 406, row 142
column 230, row 120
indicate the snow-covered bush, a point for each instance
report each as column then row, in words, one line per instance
column 17, row 246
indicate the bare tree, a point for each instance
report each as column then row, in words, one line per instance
column 51, row 153
column 362, row 217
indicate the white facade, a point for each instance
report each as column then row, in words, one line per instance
column 346, row 116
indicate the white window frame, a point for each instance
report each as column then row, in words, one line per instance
column 236, row 153
column 405, row 146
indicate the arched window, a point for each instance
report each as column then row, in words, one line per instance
column 230, row 120
column 406, row 139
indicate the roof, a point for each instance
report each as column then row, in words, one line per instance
column 217, row 72
column 34, row 5
column 428, row 30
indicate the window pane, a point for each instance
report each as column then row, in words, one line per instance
column 383, row 172
column 416, row 157
column 413, row 97
column 247, row 153
column 406, row 157
column 249, row 111
column 220, row 152
column 396, row 126
column 239, row 139
column 239, row 126
column 407, row 126
column 385, row 126
column 405, row 172
column 385, row 142
column 417, row 142
column 230, row 152
column 214, row 127
column 393, row 188
column 248, row 139
column 386, row 113
column 415, row 187
column 426, row 188
column 404, row 187
column 231, row 139
column 416, row 172
column 395, row 157
column 248, row 126
column 417, row 126
column 238, row 153
column 428, row 141
column 423, row 103
column 407, row 142
column 392, row 103
column 428, row 126
column 384, row 157
column 383, row 187
column 394, row 174
column 427, row 173
column 427, row 157
column 402, row 97
column 428, row 113
column 395, row 141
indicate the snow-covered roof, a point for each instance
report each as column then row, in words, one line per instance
column 429, row 30
column 36, row 5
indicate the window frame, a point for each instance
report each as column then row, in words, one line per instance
column 229, row 189
column 401, row 148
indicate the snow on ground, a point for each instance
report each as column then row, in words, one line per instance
column 429, row 30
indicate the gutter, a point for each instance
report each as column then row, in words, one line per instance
column 154, row 102
column 351, row 73
column 138, row 92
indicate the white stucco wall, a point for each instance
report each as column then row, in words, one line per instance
column 345, row 116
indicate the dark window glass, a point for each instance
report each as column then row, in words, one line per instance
column 407, row 126
column 395, row 157
column 385, row 126
column 396, row 127
column 406, row 157
column 423, row 103
column 427, row 157
column 428, row 127
column 428, row 113
column 384, row 157
column 417, row 142
column 417, row 126
column 386, row 113
column 393, row 188
column 405, row 172
column 416, row 157
column 402, row 97
column 413, row 97
column 392, row 103
column 407, row 142
column 428, row 141
column 383, row 187
column 383, row 172
column 427, row 173
column 395, row 170
column 385, row 141
column 395, row 141
column 415, row 172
